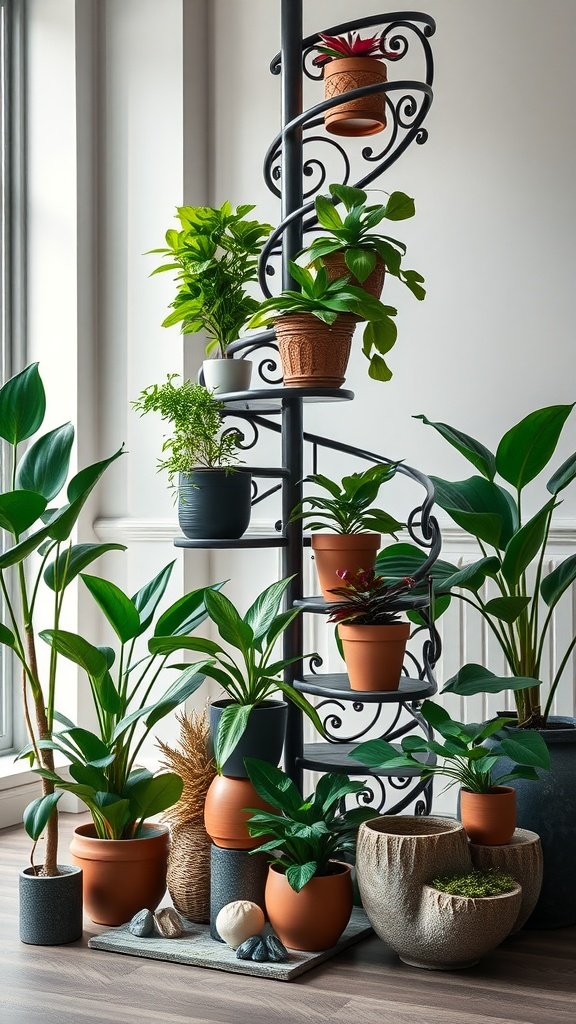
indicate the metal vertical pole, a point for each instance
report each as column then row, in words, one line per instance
column 292, row 419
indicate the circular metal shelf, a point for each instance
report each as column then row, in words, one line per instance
column 267, row 541
column 333, row 757
column 337, row 686
column 271, row 400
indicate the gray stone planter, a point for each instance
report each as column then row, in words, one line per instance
column 51, row 908
column 214, row 504
column 235, row 875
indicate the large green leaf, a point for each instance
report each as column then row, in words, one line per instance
column 331, row 789
column 563, row 476
column 478, row 506
column 399, row 206
column 376, row 753
column 44, row 467
column 231, row 626
column 115, row 605
column 507, row 609
column 169, row 644
column 328, row 216
column 79, row 489
column 153, row 795
column 476, row 453
column 22, row 405
column 553, row 586
column 262, row 613
column 38, row 812
column 399, row 560
column 93, row 749
column 76, row 649
column 525, row 544
column 231, row 728
column 360, row 263
column 147, row 599
column 73, row 561
column 527, row 748
column 298, row 875
column 19, row 510
column 471, row 577
column 7, row 638
column 473, row 679
column 183, row 688
column 273, row 786
column 186, row 614
column 529, row 445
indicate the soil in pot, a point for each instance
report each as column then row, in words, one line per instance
column 51, row 908
column 121, row 876
column 263, row 737
column 313, row 354
column 333, row 551
column 225, row 816
column 214, row 504
column 335, row 264
column 314, row 918
column 489, row 818
column 365, row 115
column 226, row 376
column 374, row 654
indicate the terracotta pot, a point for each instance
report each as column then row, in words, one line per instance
column 489, row 818
column 374, row 655
column 121, row 876
column 365, row 115
column 313, row 354
column 225, row 816
column 333, row 551
column 335, row 264
column 314, row 918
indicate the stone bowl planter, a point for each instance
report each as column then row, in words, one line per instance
column 521, row 858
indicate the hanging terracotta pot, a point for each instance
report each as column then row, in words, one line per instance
column 314, row 354
column 357, row 117
column 314, row 918
column 489, row 818
column 225, row 816
column 121, row 876
column 333, row 551
column 335, row 264
column 374, row 654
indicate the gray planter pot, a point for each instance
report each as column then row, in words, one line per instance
column 51, row 908
column 214, row 504
column 235, row 875
column 263, row 738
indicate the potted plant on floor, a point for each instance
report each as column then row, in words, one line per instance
column 314, row 327
column 214, row 494
column 309, row 888
column 351, row 62
column 520, row 614
column 37, row 564
column 123, row 858
column 487, row 805
column 367, row 611
column 347, row 509
column 215, row 254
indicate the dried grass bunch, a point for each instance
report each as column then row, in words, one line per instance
column 195, row 765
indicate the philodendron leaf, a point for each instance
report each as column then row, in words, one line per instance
column 527, row 748
column 476, row 453
column 22, row 405
column 19, row 510
column 44, row 467
column 525, row 544
column 273, row 786
column 116, row 606
column 328, row 216
column 38, row 812
column 399, row 560
column 400, row 206
column 528, row 446
column 473, row 679
column 376, row 753
column 478, row 506
column 153, row 795
column 297, row 875
column 231, row 728
column 360, row 263
column 71, row 562
column 563, row 476
column 507, row 609
column 553, row 586
column 471, row 577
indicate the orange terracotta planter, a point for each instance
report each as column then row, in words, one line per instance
column 225, row 817
column 121, row 876
column 314, row 354
column 489, row 818
column 374, row 655
column 314, row 918
column 333, row 551
column 335, row 264
column 365, row 115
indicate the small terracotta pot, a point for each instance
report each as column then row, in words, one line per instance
column 333, row 551
column 489, row 818
column 335, row 264
column 225, row 816
column 314, row 918
column 374, row 655
column 313, row 354
column 365, row 115
column 121, row 876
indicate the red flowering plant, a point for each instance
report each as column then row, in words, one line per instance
column 351, row 45
column 367, row 599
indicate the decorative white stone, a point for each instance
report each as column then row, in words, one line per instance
column 238, row 921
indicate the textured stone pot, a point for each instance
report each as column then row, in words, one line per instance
column 355, row 117
column 397, row 857
column 121, row 876
column 333, row 551
column 51, row 908
column 225, row 816
column 226, row 376
column 263, row 738
column 374, row 654
column 235, row 875
column 313, row 354
column 335, row 264
column 214, row 504
column 489, row 818
column 314, row 918
column 521, row 858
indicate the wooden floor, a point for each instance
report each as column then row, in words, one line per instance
column 531, row 979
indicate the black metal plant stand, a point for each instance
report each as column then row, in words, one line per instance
column 281, row 410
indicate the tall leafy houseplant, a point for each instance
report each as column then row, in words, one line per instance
column 37, row 553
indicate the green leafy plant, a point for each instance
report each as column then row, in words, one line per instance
column 304, row 836
column 106, row 777
column 255, row 675
column 464, row 757
column 513, row 548
column 215, row 256
column 367, row 599
column 38, row 562
column 349, row 507
column 476, row 884
column 199, row 439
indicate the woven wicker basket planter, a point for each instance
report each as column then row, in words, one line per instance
column 314, row 354
column 188, row 876
column 365, row 115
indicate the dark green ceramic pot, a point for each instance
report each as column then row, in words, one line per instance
column 214, row 504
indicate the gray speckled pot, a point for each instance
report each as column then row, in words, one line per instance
column 51, row 908
column 235, row 875
column 214, row 504
column 263, row 737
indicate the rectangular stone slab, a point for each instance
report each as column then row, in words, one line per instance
column 199, row 950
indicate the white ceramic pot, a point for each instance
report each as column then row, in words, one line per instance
column 225, row 376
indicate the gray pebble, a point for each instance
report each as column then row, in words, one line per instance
column 142, row 924
column 168, row 923
column 277, row 951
